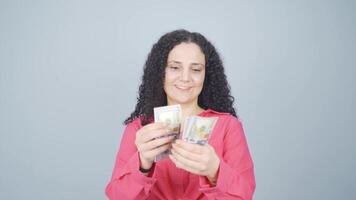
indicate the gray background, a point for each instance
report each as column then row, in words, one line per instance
column 70, row 72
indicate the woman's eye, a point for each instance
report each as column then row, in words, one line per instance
column 174, row 67
column 196, row 70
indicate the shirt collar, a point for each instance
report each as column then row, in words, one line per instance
column 209, row 110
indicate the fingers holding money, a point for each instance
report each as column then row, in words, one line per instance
column 151, row 139
column 186, row 164
column 152, row 144
column 195, row 158
column 187, row 150
column 151, row 131
column 171, row 117
column 156, row 151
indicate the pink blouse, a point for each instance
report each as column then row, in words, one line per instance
column 235, row 178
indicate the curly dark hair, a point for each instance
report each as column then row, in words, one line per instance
column 216, row 90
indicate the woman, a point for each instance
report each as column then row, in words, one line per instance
column 183, row 68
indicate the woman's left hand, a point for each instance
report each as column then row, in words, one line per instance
column 197, row 159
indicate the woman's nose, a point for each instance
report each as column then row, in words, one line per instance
column 185, row 76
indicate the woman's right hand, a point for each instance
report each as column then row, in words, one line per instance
column 150, row 143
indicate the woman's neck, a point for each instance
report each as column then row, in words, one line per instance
column 189, row 109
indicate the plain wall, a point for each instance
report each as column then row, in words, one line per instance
column 70, row 71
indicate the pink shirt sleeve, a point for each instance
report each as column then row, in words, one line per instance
column 236, row 178
column 127, row 182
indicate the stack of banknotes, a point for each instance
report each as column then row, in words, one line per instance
column 196, row 129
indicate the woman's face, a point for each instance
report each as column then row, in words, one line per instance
column 185, row 73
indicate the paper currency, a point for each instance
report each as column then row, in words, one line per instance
column 171, row 116
column 198, row 129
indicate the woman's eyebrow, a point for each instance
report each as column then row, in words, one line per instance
column 178, row 62
column 197, row 64
column 174, row 61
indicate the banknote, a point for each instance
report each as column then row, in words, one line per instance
column 198, row 129
column 171, row 116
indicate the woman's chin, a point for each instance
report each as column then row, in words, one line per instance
column 181, row 101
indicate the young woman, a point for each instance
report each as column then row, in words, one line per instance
column 183, row 68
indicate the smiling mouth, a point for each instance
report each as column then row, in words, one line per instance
column 183, row 87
